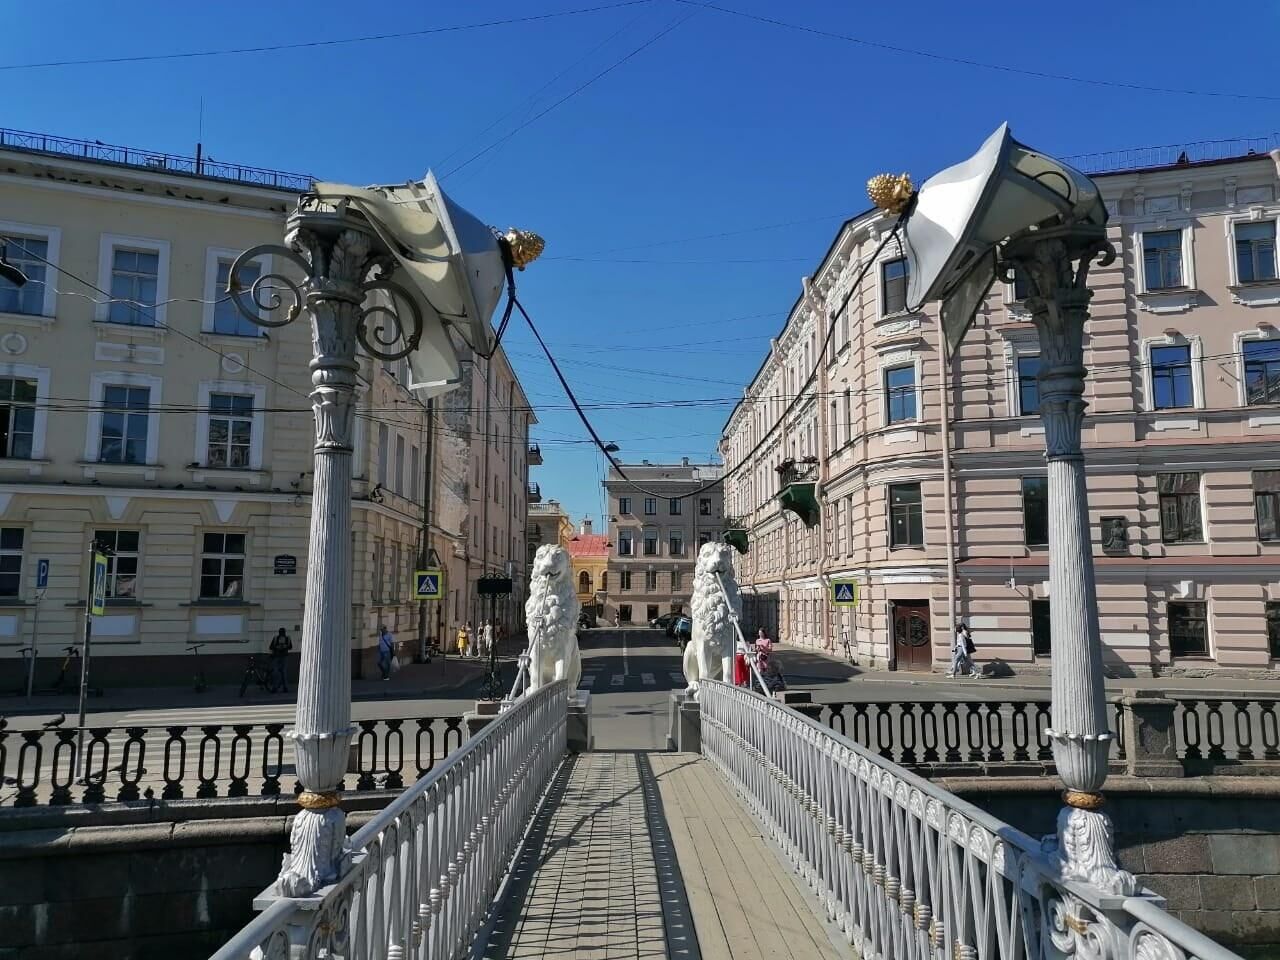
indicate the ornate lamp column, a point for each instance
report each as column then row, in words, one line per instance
column 1056, row 263
column 342, row 261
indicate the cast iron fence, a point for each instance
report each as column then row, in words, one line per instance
column 38, row 767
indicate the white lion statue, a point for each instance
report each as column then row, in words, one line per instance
column 551, row 613
column 709, row 653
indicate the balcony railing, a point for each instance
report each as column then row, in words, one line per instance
column 535, row 455
column 204, row 167
column 535, row 493
column 736, row 534
column 798, row 489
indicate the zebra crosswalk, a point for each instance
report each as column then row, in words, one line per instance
column 597, row 680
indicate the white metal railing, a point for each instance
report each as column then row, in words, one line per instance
column 425, row 869
column 909, row 870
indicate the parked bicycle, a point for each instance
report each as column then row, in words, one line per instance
column 198, row 680
column 259, row 672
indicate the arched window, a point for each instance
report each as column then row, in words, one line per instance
column 604, row 580
column 584, row 582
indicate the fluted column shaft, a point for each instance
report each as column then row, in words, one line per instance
column 323, row 730
column 1056, row 263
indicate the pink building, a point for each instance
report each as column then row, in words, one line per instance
column 1182, row 443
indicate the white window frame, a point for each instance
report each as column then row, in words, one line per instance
column 107, row 246
column 52, row 236
column 1023, row 343
column 890, row 361
column 22, row 559
column 213, row 256
column 881, row 314
column 1197, row 371
column 1172, row 299
column 98, row 383
column 27, row 371
column 1237, row 345
column 206, row 390
column 1252, row 293
column 241, row 597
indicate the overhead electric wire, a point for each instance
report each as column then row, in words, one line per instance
column 724, row 473
column 980, row 64
column 532, row 98
column 568, row 96
column 308, row 44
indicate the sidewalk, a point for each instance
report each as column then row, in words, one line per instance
column 413, row 681
column 817, row 666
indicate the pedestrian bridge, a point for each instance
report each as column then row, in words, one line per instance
column 782, row 839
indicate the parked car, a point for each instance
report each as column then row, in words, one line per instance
column 682, row 629
column 664, row 622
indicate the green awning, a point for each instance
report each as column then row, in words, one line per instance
column 801, row 499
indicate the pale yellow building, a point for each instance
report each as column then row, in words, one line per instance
column 548, row 523
column 138, row 411
column 589, row 554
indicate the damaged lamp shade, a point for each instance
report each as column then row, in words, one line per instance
column 450, row 261
column 964, row 212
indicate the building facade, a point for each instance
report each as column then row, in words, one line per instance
column 548, row 523
column 139, row 410
column 1180, row 444
column 658, row 517
column 589, row 556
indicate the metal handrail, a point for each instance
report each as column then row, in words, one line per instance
column 424, row 870
column 909, row 870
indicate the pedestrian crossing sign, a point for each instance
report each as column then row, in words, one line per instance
column 844, row 593
column 428, row 584
column 98, row 596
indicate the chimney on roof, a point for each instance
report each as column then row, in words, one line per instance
column 646, row 463
column 686, row 461
column 586, row 526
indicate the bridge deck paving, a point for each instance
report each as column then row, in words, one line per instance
column 643, row 855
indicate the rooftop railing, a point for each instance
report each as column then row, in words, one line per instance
column 201, row 166
column 1174, row 154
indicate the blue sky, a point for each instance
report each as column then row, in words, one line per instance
column 721, row 125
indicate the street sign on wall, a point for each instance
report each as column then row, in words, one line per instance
column 844, row 593
column 285, row 565
column 428, row 584
column 42, row 574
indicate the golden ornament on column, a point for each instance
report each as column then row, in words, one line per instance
column 890, row 192
column 525, row 247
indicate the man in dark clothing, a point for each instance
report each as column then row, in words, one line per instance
column 280, row 647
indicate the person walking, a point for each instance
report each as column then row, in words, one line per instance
column 486, row 638
column 386, row 648
column 461, row 640
column 279, row 648
column 962, row 648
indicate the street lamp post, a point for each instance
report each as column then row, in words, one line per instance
column 343, row 261
column 1055, row 262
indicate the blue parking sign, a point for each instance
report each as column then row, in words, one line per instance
column 42, row 574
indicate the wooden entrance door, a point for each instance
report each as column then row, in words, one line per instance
column 912, row 636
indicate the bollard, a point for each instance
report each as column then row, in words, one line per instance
column 685, row 732
column 578, row 723
column 1149, row 742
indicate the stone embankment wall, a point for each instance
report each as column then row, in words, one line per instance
column 139, row 881
column 1210, row 846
